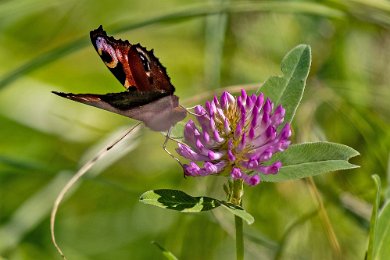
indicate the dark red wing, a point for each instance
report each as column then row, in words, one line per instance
column 133, row 65
column 114, row 55
column 149, row 97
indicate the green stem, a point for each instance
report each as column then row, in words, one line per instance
column 239, row 238
column 237, row 191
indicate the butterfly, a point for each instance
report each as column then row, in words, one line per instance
column 149, row 92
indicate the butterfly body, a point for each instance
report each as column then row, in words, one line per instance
column 149, row 96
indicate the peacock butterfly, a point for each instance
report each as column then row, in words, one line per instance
column 149, row 93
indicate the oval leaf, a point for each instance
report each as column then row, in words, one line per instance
column 310, row 159
column 238, row 211
column 288, row 90
column 178, row 200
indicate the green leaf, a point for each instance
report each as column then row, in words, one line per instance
column 382, row 234
column 310, row 159
column 178, row 200
column 238, row 211
column 374, row 218
column 168, row 255
column 288, row 90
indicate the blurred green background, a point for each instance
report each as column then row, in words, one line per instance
column 206, row 47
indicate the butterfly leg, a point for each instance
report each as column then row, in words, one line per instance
column 192, row 113
column 168, row 137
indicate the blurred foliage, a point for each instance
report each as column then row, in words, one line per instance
column 206, row 45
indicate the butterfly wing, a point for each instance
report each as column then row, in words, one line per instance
column 133, row 65
column 159, row 114
column 149, row 96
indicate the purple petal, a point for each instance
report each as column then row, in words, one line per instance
column 251, row 133
column 210, row 168
column 254, row 99
column 217, row 137
column 213, row 108
column 267, row 109
column 266, row 155
column 209, row 108
column 215, row 155
column 238, row 131
column 264, row 138
column 242, row 144
column 189, row 133
column 286, row 132
column 252, row 163
column 259, row 100
column 221, row 114
column 206, row 137
column 272, row 169
column 243, row 94
column 191, row 170
column 224, row 100
column 216, row 101
column 252, row 180
column 212, row 125
column 243, row 115
column 199, row 110
column 187, row 152
column 226, row 125
column 270, row 133
column 236, row 173
column 213, row 168
column 249, row 103
column 278, row 116
column 199, row 145
column 231, row 156
column 255, row 116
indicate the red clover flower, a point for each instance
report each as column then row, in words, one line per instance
column 238, row 135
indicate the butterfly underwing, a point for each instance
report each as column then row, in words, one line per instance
column 149, row 93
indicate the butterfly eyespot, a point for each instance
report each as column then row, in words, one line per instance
column 106, row 57
column 145, row 62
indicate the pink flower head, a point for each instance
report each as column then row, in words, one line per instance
column 239, row 134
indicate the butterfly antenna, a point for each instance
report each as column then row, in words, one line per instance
column 168, row 137
column 81, row 172
column 192, row 113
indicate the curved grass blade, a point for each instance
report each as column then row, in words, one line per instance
column 36, row 208
column 188, row 13
column 310, row 159
column 381, row 249
column 374, row 218
column 75, row 178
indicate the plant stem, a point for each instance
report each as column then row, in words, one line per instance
column 237, row 192
column 239, row 238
